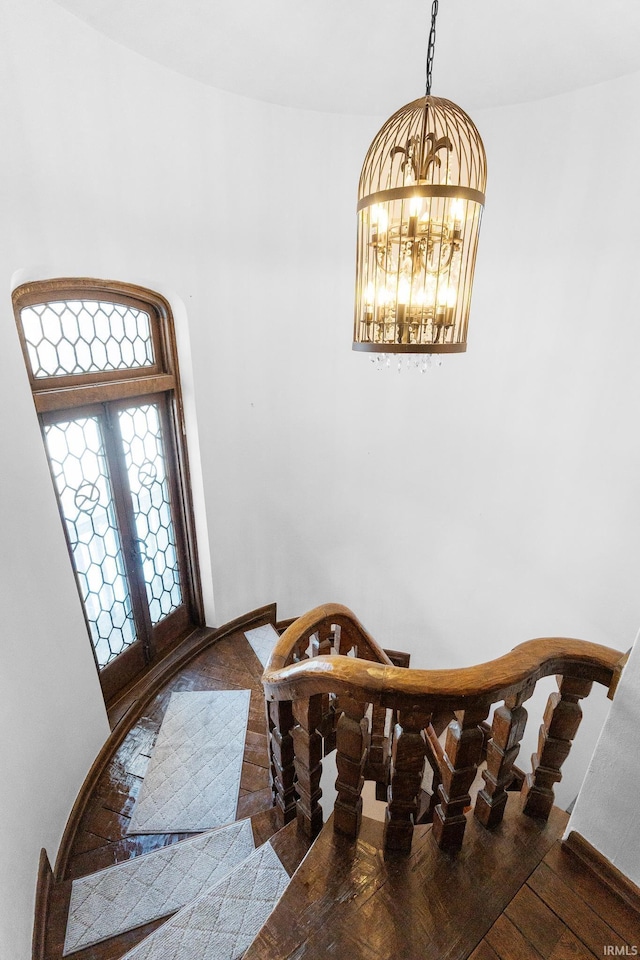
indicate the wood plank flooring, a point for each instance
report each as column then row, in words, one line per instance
column 563, row 912
column 351, row 899
column 513, row 894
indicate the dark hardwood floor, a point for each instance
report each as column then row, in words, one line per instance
column 514, row 894
column 562, row 912
column 101, row 838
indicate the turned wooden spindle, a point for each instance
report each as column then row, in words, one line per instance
column 320, row 642
column 407, row 769
column 434, row 757
column 507, row 730
column 379, row 754
column 313, row 646
column 559, row 726
column 327, row 724
column 307, row 744
column 280, row 719
column 325, row 637
column 352, row 738
column 463, row 751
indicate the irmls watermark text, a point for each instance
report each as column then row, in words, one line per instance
column 611, row 950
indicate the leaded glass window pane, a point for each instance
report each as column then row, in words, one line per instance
column 69, row 337
column 146, row 470
column 77, row 457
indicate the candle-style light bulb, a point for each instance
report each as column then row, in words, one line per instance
column 445, row 308
column 378, row 221
column 457, row 214
column 369, row 295
column 368, row 308
column 447, row 296
column 415, row 207
column 404, row 291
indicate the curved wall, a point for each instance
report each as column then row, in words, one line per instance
column 458, row 513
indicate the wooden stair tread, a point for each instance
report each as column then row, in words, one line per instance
column 349, row 899
column 290, row 844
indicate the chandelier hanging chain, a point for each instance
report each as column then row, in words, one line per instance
column 432, row 44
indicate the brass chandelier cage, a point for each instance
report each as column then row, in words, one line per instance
column 420, row 203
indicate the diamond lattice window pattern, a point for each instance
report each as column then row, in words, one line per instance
column 146, row 470
column 85, row 336
column 76, row 454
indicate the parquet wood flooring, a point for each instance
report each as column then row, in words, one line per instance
column 351, row 900
column 510, row 894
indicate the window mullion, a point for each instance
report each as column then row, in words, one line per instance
column 177, row 484
column 124, row 511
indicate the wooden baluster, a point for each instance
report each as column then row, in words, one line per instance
column 507, row 730
column 379, row 754
column 352, row 744
column 325, row 640
column 559, row 726
column 313, row 645
column 331, row 741
column 328, row 724
column 434, row 757
column 463, row 750
column 280, row 719
column 307, row 744
column 407, row 769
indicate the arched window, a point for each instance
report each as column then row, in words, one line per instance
column 103, row 368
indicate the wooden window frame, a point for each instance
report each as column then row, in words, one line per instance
column 72, row 392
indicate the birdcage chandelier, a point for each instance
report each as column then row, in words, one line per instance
column 420, row 202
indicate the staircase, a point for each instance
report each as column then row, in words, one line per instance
column 363, row 889
column 218, row 882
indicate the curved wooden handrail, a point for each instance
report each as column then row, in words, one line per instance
column 324, row 616
column 352, row 697
column 395, row 686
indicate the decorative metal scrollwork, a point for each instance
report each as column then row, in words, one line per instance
column 412, row 150
column 147, row 473
column 87, row 497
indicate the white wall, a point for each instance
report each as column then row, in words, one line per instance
column 457, row 513
column 112, row 167
column 51, row 710
column 606, row 812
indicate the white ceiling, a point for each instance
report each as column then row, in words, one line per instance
column 368, row 56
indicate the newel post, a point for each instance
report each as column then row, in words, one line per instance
column 407, row 769
column 507, row 730
column 462, row 754
column 280, row 720
column 559, row 726
column 307, row 744
column 352, row 739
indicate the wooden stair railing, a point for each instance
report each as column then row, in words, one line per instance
column 303, row 729
column 329, row 680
